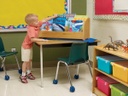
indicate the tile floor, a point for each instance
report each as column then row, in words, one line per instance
column 14, row 87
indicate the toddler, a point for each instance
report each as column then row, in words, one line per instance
column 33, row 29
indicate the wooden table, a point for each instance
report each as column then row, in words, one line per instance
column 53, row 43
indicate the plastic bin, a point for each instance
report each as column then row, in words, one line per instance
column 104, row 62
column 119, row 90
column 103, row 83
column 120, row 70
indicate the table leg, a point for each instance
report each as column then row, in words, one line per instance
column 41, row 64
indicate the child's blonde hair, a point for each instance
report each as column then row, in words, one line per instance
column 29, row 18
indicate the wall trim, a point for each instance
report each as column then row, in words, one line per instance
column 34, row 65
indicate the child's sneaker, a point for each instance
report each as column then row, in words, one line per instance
column 23, row 79
column 30, row 76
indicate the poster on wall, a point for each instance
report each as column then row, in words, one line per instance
column 13, row 11
column 120, row 5
column 107, row 10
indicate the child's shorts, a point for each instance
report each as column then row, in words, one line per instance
column 26, row 54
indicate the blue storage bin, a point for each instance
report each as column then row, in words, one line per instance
column 104, row 62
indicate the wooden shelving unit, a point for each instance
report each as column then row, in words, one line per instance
column 100, row 51
column 69, row 35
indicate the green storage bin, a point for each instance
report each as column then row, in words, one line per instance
column 119, row 90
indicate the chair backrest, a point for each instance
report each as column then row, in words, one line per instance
column 1, row 45
column 78, row 53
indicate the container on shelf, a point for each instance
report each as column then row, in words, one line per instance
column 119, row 90
column 103, row 83
column 104, row 62
column 120, row 70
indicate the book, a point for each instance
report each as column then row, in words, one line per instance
column 47, row 26
column 80, row 17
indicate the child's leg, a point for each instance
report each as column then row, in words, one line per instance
column 29, row 73
column 29, row 66
column 26, row 55
column 24, row 68
column 23, row 77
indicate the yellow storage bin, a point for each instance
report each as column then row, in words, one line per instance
column 120, row 70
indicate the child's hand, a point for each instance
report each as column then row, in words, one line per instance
column 44, row 40
column 55, row 15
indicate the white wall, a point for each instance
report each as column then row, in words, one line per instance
column 101, row 29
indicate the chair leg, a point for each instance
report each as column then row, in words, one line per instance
column 17, row 62
column 3, row 65
column 76, row 76
column 19, row 69
column 77, row 70
column 72, row 88
column 55, row 81
column 68, row 73
column 89, row 66
column 57, row 69
column 1, row 68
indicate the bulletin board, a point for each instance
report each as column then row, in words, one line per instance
column 111, row 9
column 13, row 12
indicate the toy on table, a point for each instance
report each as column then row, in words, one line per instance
column 125, row 46
column 117, row 44
column 111, row 45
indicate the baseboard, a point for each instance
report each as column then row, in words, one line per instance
column 34, row 65
column 46, row 64
column 37, row 65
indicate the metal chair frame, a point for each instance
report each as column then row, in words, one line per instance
column 3, row 55
column 78, row 54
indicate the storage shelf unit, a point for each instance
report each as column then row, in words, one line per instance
column 100, row 51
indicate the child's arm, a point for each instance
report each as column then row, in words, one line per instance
column 49, row 18
column 38, row 40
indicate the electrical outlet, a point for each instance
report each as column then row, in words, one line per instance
column 13, row 49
